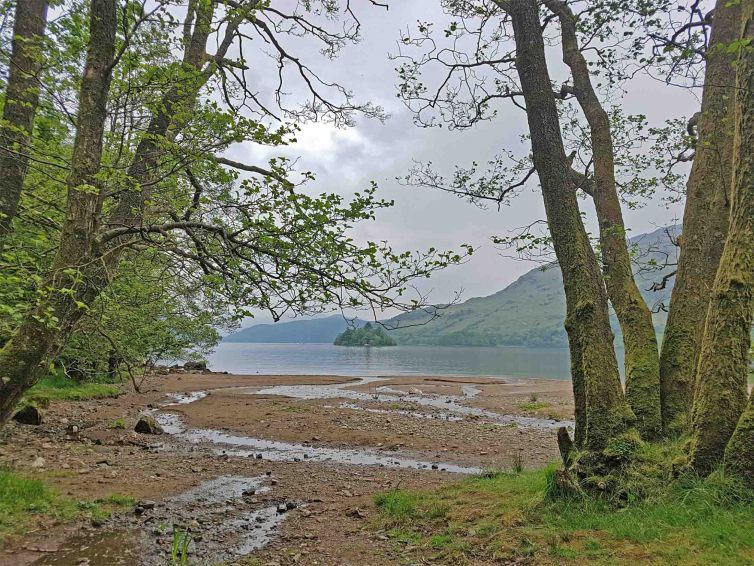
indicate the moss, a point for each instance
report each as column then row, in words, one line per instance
column 739, row 454
column 642, row 365
column 705, row 223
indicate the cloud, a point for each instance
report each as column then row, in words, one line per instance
column 346, row 160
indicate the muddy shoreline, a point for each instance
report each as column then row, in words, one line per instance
column 299, row 459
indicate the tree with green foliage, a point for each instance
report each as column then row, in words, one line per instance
column 477, row 67
column 246, row 234
column 367, row 335
column 605, row 45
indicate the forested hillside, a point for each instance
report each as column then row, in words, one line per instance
column 530, row 311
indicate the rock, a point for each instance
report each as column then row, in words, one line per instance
column 290, row 505
column 146, row 504
column 357, row 513
column 29, row 415
column 195, row 366
column 282, row 508
column 147, row 425
column 38, row 462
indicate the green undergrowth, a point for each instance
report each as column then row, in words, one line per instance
column 59, row 387
column 661, row 517
column 27, row 501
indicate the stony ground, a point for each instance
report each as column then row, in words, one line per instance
column 263, row 506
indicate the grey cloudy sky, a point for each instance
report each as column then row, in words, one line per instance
column 346, row 160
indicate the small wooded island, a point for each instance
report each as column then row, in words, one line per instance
column 367, row 335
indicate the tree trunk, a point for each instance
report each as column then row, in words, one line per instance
column 642, row 359
column 705, row 224
column 724, row 359
column 21, row 100
column 739, row 454
column 38, row 339
column 587, row 320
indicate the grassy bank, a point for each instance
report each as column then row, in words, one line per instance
column 26, row 502
column 510, row 517
column 54, row 387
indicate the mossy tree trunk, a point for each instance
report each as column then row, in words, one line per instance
column 37, row 339
column 724, row 359
column 642, row 358
column 739, row 454
column 21, row 100
column 705, row 224
column 598, row 388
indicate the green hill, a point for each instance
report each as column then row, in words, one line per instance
column 529, row 312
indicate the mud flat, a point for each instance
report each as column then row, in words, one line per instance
column 279, row 468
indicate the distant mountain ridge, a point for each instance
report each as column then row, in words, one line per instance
column 317, row 330
column 528, row 312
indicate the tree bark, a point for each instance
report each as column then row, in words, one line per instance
column 37, row 339
column 739, row 454
column 705, row 224
column 21, row 100
column 642, row 359
column 587, row 322
column 724, row 359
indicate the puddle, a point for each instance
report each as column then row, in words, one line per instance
column 245, row 446
column 186, row 398
column 403, row 412
column 224, row 518
column 96, row 548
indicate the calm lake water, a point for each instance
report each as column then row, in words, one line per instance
column 326, row 359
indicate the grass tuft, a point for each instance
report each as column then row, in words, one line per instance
column 22, row 499
column 670, row 517
column 59, row 387
column 534, row 405
column 25, row 501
